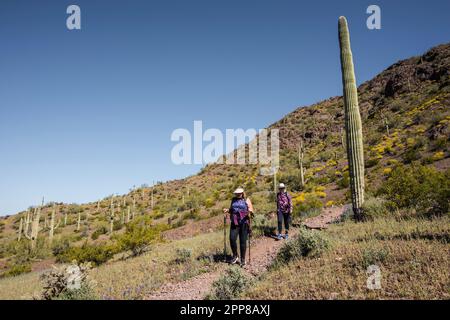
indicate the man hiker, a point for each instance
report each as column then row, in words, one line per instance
column 284, row 211
column 240, row 209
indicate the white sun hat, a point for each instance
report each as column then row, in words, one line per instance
column 238, row 190
column 281, row 186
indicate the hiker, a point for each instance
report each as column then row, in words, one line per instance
column 239, row 212
column 284, row 211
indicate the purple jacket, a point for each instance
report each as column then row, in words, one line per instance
column 284, row 202
column 239, row 211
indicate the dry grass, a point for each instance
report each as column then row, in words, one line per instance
column 413, row 256
column 131, row 278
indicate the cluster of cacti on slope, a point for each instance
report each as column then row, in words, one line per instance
column 32, row 219
column 353, row 124
column 30, row 225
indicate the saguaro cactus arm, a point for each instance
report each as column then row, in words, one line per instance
column 353, row 124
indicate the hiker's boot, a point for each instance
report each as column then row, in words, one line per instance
column 234, row 260
column 279, row 236
column 286, row 236
column 243, row 263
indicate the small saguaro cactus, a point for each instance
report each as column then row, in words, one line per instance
column 353, row 124
column 20, row 229
column 28, row 218
column 111, row 218
column 385, row 122
column 300, row 160
column 79, row 221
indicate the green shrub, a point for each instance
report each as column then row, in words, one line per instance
column 191, row 214
column 374, row 207
column 179, row 224
column 209, row 202
column 344, row 181
column 230, row 285
column 373, row 256
column 97, row 233
column 371, row 162
column 16, row 269
column 418, row 187
column 139, row 235
column 410, row 155
column 117, row 225
column 59, row 247
column 183, row 255
column 85, row 292
column 97, row 254
column 308, row 208
column 261, row 225
column 215, row 212
column 308, row 243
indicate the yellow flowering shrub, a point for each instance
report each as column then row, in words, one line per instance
column 438, row 156
column 329, row 203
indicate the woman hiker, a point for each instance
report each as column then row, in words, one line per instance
column 239, row 211
column 284, row 211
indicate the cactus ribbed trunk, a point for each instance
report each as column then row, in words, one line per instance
column 27, row 223
column 35, row 228
column 79, row 221
column 20, row 229
column 53, row 227
column 111, row 222
column 353, row 124
column 300, row 159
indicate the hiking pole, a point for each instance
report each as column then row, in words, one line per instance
column 225, row 238
column 249, row 241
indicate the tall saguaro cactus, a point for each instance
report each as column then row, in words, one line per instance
column 300, row 160
column 35, row 228
column 53, row 227
column 353, row 126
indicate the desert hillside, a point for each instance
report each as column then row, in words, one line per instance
column 406, row 117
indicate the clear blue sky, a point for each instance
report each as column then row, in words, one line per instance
column 88, row 113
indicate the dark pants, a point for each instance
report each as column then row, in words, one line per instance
column 242, row 232
column 287, row 220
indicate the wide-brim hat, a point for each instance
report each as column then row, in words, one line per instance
column 281, row 186
column 238, row 190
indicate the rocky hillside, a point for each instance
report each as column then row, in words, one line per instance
column 406, row 115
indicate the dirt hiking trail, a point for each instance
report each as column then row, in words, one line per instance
column 263, row 252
